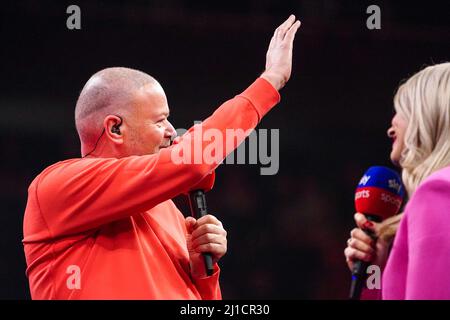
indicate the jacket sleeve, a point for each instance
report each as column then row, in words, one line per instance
column 76, row 196
column 428, row 275
column 209, row 287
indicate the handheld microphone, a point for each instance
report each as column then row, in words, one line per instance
column 197, row 203
column 379, row 195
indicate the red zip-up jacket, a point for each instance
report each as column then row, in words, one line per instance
column 105, row 228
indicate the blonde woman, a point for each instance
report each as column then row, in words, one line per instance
column 418, row 264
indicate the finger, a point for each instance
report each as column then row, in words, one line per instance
column 281, row 30
column 208, row 228
column 353, row 254
column 290, row 34
column 287, row 23
column 272, row 43
column 360, row 219
column 361, row 246
column 209, row 219
column 213, row 248
column 190, row 224
column 209, row 238
column 350, row 264
column 364, row 223
column 362, row 236
column 347, row 253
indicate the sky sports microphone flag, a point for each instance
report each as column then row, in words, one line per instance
column 379, row 193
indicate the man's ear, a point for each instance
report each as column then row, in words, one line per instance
column 114, row 129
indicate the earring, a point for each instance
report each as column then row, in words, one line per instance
column 115, row 129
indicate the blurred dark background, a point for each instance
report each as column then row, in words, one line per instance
column 287, row 232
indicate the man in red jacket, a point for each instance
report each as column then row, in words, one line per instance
column 103, row 226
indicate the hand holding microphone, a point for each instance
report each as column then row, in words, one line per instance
column 379, row 195
column 361, row 246
column 207, row 241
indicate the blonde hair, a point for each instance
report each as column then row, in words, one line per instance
column 424, row 102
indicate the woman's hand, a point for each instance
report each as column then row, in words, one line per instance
column 361, row 246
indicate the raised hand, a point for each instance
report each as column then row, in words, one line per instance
column 279, row 55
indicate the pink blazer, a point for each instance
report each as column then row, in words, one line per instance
column 419, row 263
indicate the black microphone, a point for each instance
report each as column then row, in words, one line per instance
column 197, row 203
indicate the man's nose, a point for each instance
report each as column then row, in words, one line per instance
column 170, row 131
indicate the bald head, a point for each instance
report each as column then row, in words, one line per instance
column 108, row 91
